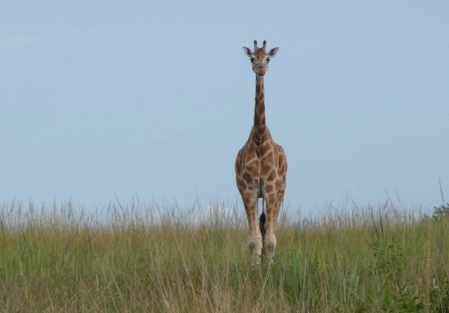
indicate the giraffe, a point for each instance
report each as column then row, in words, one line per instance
column 261, row 167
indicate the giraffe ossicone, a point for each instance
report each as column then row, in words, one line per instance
column 261, row 166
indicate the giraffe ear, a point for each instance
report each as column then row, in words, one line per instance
column 272, row 52
column 247, row 51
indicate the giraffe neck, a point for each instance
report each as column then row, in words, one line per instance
column 259, row 109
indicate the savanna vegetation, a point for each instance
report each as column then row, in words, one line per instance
column 147, row 258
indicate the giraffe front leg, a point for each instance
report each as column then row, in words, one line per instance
column 254, row 236
column 269, row 243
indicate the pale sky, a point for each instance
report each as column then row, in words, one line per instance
column 153, row 99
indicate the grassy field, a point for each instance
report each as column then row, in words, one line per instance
column 137, row 258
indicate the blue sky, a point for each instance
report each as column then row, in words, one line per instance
column 149, row 99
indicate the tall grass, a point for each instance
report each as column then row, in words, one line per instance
column 147, row 258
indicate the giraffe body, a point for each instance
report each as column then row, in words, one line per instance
column 261, row 167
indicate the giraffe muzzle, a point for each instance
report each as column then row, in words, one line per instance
column 261, row 71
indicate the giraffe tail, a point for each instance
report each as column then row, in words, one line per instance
column 262, row 223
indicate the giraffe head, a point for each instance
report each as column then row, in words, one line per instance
column 260, row 58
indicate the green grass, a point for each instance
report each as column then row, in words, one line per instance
column 138, row 258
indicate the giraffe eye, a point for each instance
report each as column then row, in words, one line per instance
column 268, row 60
column 252, row 60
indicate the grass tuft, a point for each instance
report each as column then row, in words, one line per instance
column 138, row 258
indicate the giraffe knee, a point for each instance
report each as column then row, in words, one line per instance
column 270, row 246
column 255, row 245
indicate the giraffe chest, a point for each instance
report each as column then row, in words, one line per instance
column 257, row 168
column 260, row 171
column 259, row 159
